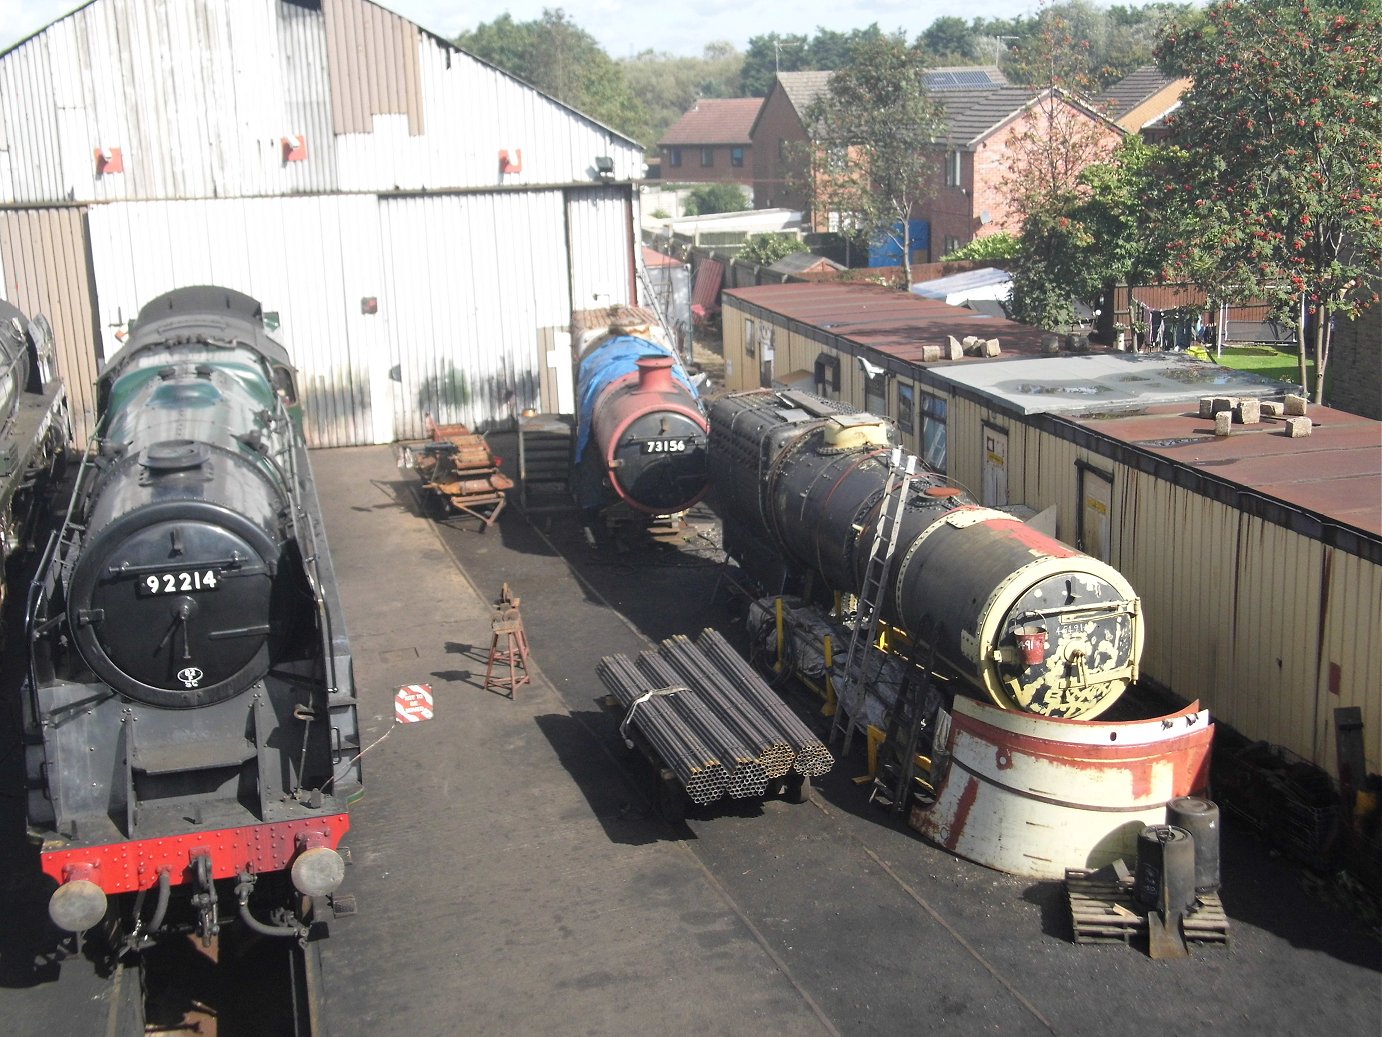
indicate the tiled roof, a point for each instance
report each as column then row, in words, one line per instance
column 802, row 88
column 971, row 114
column 715, row 121
column 1127, row 94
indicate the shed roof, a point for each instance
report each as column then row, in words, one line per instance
column 715, row 121
column 1334, row 472
column 895, row 325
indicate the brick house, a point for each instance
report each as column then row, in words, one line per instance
column 1140, row 102
column 711, row 142
column 981, row 110
column 968, row 200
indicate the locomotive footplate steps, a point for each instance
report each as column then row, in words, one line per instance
column 508, row 647
column 1102, row 909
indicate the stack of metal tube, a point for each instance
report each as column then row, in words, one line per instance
column 720, row 694
column 812, row 758
column 711, row 719
column 653, row 712
column 746, row 774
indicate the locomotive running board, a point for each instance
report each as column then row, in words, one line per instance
column 1034, row 796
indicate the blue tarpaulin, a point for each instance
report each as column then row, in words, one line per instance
column 607, row 363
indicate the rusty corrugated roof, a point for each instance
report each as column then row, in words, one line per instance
column 1335, row 473
column 894, row 324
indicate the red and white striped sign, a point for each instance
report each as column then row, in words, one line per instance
column 413, row 703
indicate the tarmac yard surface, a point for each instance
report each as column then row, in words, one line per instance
column 513, row 877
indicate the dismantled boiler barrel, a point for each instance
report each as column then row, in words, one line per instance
column 641, row 433
column 1035, row 624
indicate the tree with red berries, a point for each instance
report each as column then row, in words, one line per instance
column 1278, row 166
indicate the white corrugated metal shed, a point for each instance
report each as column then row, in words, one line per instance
column 314, row 155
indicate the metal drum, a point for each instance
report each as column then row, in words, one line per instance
column 1200, row 818
column 1165, row 864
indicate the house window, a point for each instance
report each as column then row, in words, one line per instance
column 827, row 374
column 674, row 156
column 952, row 243
column 736, row 157
column 933, row 410
column 782, row 149
column 953, row 170
column 749, row 344
column 905, row 408
column 707, row 156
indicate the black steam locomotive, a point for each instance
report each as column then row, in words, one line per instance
column 1028, row 621
column 34, row 430
column 191, row 729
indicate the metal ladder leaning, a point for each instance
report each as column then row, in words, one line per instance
column 865, row 633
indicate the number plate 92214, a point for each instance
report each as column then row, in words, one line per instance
column 185, row 582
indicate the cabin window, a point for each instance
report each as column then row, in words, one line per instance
column 827, row 374
column 674, row 156
column 933, row 411
column 707, row 157
column 736, row 157
column 906, row 408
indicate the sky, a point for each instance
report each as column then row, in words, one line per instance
column 627, row 27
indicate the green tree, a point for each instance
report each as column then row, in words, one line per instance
column 668, row 85
column 824, row 52
column 766, row 249
column 561, row 59
column 769, row 54
column 712, row 198
column 949, row 41
column 1047, row 153
column 998, row 247
column 873, row 156
column 1280, row 158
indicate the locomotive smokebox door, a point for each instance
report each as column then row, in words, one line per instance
column 171, row 613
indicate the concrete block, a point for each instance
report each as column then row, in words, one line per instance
column 1273, row 408
column 1248, row 412
column 1206, row 406
column 992, row 347
column 930, row 354
column 1223, row 423
column 953, row 343
column 1223, row 403
column 954, row 351
column 1298, row 427
column 1296, row 405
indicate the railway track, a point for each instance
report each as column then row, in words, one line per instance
column 236, row 987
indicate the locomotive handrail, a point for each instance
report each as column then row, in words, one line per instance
column 307, row 547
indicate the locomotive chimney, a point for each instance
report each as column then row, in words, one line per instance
column 655, row 374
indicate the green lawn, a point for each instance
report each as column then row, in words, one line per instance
column 1264, row 360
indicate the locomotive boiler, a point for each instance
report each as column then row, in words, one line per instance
column 191, row 715
column 640, row 431
column 1026, row 620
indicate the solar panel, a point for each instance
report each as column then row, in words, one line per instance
column 960, row 79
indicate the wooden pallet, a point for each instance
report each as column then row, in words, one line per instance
column 1102, row 910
